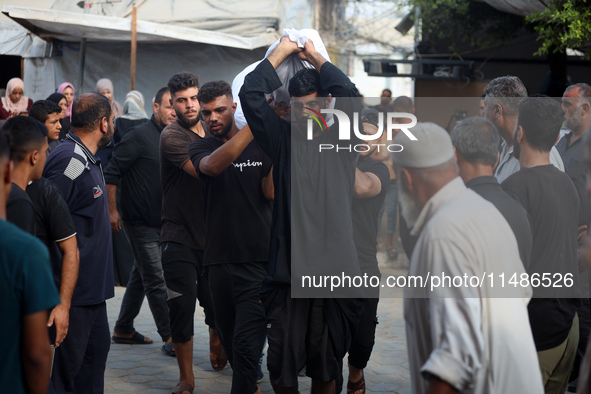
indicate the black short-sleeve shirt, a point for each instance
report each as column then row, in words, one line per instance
column 236, row 213
column 550, row 198
column 365, row 216
column 20, row 210
column 52, row 215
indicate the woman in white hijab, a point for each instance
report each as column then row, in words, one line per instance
column 15, row 102
column 133, row 114
column 104, row 86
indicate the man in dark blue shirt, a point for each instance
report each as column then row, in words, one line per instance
column 74, row 168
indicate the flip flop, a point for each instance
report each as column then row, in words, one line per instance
column 392, row 253
column 183, row 388
column 136, row 339
column 169, row 349
column 359, row 386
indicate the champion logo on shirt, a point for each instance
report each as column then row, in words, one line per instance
column 97, row 191
column 248, row 163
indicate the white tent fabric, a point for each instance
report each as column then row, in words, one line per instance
column 71, row 27
column 213, row 40
column 16, row 41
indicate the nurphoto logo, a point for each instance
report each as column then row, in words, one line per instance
column 345, row 129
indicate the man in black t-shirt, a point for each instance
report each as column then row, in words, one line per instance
column 28, row 147
column 56, row 229
column 551, row 200
column 371, row 186
column 236, row 185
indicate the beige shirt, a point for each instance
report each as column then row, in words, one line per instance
column 474, row 342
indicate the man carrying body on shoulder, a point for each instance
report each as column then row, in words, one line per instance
column 27, row 292
column 236, row 182
column 134, row 162
column 80, row 361
column 182, row 235
column 28, row 146
column 310, row 332
column 48, row 113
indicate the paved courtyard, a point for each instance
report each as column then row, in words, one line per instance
column 145, row 369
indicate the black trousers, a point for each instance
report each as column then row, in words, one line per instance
column 79, row 364
column 186, row 283
column 364, row 338
column 240, row 318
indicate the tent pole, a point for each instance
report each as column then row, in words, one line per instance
column 82, row 60
column 133, row 45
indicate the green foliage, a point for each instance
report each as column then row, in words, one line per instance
column 465, row 22
column 564, row 24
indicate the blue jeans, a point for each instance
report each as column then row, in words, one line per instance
column 146, row 278
column 391, row 202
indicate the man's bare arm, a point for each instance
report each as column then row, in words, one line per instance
column 311, row 55
column 189, row 168
column 35, row 353
column 215, row 163
column 367, row 184
column 438, row 386
column 268, row 186
column 113, row 213
column 60, row 315
column 285, row 48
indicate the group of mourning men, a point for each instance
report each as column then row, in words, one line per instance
column 233, row 218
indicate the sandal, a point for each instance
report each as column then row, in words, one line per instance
column 217, row 356
column 136, row 339
column 183, row 388
column 169, row 349
column 392, row 253
column 357, row 387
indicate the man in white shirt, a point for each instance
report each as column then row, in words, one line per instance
column 460, row 339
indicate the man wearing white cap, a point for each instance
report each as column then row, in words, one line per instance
column 460, row 338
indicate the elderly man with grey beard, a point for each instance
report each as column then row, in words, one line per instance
column 576, row 104
column 465, row 338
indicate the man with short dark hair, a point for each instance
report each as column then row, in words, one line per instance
column 79, row 364
column 503, row 95
column 135, row 160
column 311, row 332
column 551, row 200
column 28, row 146
column 52, row 224
column 48, row 113
column 26, row 291
column 182, row 234
column 385, row 104
column 476, row 142
column 236, row 181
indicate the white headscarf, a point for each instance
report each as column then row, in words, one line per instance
column 133, row 108
column 19, row 106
